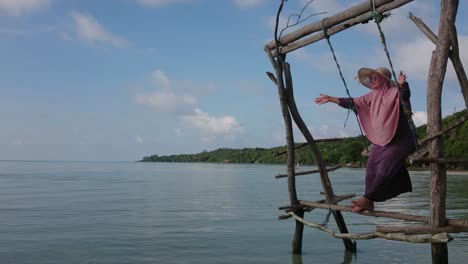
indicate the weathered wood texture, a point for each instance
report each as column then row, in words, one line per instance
column 421, row 229
column 454, row 54
column 353, row 16
column 416, row 238
column 308, row 172
column 393, row 215
column 435, row 81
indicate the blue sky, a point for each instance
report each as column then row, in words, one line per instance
column 122, row 79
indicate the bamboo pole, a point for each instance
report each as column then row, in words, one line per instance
column 333, row 29
column 393, row 215
column 416, row 238
column 453, row 54
column 330, row 22
column 326, row 184
column 308, row 172
column 436, row 77
column 421, row 229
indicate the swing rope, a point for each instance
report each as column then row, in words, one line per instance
column 352, row 107
column 405, row 105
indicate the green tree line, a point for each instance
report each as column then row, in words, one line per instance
column 346, row 151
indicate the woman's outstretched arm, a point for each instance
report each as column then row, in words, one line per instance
column 326, row 99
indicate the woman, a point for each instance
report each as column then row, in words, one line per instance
column 386, row 126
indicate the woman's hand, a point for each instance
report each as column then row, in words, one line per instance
column 402, row 78
column 325, row 99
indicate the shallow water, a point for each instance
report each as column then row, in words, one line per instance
column 119, row 212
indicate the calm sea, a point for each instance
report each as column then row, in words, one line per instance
column 123, row 212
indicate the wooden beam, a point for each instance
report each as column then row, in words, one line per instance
column 308, row 172
column 439, row 161
column 393, row 215
column 330, row 22
column 417, row 238
column 301, row 145
column 421, row 229
column 454, row 55
column 363, row 18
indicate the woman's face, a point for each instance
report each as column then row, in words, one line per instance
column 377, row 80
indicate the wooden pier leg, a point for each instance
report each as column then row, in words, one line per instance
column 327, row 187
column 437, row 72
column 299, row 231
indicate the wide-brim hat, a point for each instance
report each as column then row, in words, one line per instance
column 365, row 73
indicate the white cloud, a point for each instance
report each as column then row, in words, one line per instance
column 92, row 32
column 249, row 3
column 139, row 139
column 178, row 132
column 415, row 57
column 420, row 118
column 161, row 79
column 225, row 125
column 161, row 3
column 20, row 7
column 167, row 101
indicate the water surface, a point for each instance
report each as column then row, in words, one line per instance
column 122, row 212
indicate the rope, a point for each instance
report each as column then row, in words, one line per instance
column 378, row 18
column 352, row 107
column 327, row 218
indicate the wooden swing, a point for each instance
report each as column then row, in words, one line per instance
column 435, row 228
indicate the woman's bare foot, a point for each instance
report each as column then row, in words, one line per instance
column 362, row 204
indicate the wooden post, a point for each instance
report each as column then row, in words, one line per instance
column 279, row 70
column 327, row 187
column 436, row 77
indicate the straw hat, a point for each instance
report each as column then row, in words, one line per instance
column 365, row 73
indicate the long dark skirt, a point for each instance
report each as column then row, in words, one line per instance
column 386, row 173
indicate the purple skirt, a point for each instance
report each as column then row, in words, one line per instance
column 386, row 173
